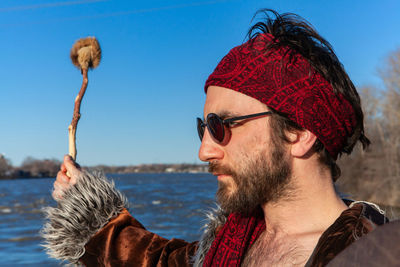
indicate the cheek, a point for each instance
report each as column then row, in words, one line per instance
column 251, row 144
column 245, row 142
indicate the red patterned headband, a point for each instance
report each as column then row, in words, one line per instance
column 292, row 87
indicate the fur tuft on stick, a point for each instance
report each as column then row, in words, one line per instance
column 86, row 53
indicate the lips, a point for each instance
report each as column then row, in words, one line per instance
column 219, row 170
column 222, row 176
column 218, row 175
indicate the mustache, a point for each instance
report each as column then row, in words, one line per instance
column 215, row 167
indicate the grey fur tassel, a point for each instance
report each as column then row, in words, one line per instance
column 84, row 209
column 215, row 218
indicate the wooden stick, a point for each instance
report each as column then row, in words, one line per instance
column 77, row 115
column 85, row 55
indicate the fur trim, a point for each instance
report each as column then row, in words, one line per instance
column 84, row 209
column 215, row 219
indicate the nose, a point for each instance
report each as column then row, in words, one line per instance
column 209, row 150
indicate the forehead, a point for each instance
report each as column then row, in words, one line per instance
column 220, row 99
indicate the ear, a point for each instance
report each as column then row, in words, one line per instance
column 302, row 143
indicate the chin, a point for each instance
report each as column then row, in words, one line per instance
column 226, row 187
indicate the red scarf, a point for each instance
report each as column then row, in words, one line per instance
column 234, row 239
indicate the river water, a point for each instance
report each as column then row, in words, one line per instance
column 171, row 205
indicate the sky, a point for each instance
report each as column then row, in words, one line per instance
column 142, row 101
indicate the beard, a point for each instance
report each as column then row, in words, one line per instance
column 259, row 180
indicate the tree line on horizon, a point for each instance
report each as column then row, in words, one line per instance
column 372, row 175
column 47, row 168
column 30, row 168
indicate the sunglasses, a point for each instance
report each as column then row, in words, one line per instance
column 216, row 125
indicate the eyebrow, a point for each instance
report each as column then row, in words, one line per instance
column 223, row 114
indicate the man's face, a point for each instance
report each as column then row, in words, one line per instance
column 252, row 166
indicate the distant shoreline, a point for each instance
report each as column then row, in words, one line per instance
column 38, row 169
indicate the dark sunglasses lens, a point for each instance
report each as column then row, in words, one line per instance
column 200, row 128
column 215, row 127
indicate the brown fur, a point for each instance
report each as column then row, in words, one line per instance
column 86, row 53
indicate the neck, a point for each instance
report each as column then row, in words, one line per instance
column 312, row 206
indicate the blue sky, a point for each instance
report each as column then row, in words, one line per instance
column 142, row 100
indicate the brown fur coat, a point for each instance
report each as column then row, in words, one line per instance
column 92, row 226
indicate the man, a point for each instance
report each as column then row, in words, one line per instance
column 279, row 110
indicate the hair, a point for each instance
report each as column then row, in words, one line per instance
column 292, row 31
column 280, row 125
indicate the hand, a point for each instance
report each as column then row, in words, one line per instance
column 66, row 177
